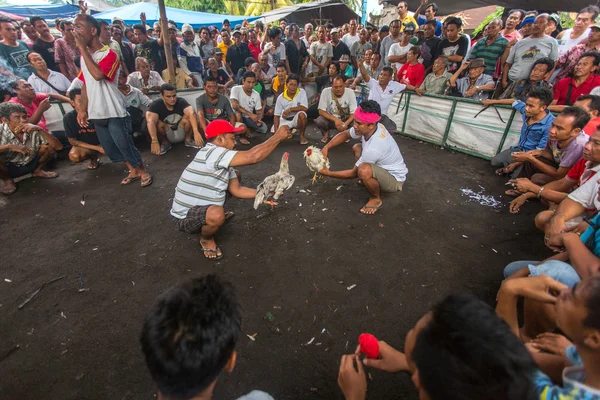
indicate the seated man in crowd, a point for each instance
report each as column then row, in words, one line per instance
column 137, row 104
column 171, row 112
column 44, row 80
column 246, row 101
column 520, row 89
column 279, row 80
column 24, row 147
column 291, row 108
column 267, row 69
column 182, row 79
column 224, row 81
column 449, row 353
column 190, row 55
column 382, row 91
column 212, row 106
column 35, row 103
column 83, row 139
column 435, row 82
column 563, row 150
column 412, row 73
column 219, row 55
column 337, row 105
column 202, row 189
column 583, row 80
column 144, row 78
column 591, row 105
column 182, row 366
column 476, row 85
column 537, row 121
column 379, row 163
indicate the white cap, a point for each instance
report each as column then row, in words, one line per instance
column 187, row 28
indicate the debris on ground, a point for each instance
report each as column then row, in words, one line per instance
column 252, row 337
column 483, row 199
column 351, row 287
column 269, row 316
column 32, row 295
column 310, row 341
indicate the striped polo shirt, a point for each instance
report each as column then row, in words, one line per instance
column 204, row 181
column 490, row 53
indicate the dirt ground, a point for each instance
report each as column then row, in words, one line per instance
column 79, row 337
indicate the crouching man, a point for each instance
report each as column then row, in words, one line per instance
column 379, row 163
column 291, row 108
column 24, row 148
column 206, row 182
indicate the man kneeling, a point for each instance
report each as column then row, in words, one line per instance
column 24, row 148
column 202, row 189
column 379, row 163
column 84, row 140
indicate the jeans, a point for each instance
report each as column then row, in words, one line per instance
column 252, row 125
column 114, row 135
column 558, row 270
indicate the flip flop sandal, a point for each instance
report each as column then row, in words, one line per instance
column 218, row 257
column 94, row 166
column 148, row 181
column 130, row 179
column 229, row 214
column 244, row 141
column 376, row 208
column 51, row 175
column 325, row 139
column 7, row 192
column 304, row 141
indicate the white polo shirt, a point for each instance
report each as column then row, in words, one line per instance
column 56, row 79
column 587, row 194
column 384, row 96
column 284, row 102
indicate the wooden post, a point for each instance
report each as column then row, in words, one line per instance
column 164, row 31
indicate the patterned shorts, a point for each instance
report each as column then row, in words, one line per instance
column 194, row 220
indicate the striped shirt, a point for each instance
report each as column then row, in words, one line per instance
column 204, row 181
column 490, row 53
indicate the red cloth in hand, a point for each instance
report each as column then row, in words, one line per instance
column 369, row 345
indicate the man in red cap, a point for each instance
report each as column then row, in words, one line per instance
column 202, row 189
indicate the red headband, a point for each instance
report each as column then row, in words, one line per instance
column 366, row 117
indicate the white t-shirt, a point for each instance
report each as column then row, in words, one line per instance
column 350, row 40
column 277, row 55
column 105, row 100
column 587, row 194
column 321, row 52
column 397, row 50
column 135, row 98
column 250, row 103
column 58, row 80
column 566, row 43
column 284, row 102
column 384, row 96
column 381, row 149
column 347, row 102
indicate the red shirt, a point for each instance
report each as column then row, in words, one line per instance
column 31, row 108
column 562, row 88
column 254, row 50
column 412, row 75
column 576, row 172
column 591, row 126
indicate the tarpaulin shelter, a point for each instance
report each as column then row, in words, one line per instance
column 47, row 11
column 12, row 16
column 131, row 15
column 334, row 11
column 447, row 7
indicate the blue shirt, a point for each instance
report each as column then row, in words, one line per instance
column 534, row 136
column 592, row 234
column 438, row 30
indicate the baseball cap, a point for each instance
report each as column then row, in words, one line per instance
column 527, row 21
column 384, row 28
column 218, row 50
column 236, row 31
column 334, row 30
column 221, row 127
column 212, row 28
column 117, row 19
column 187, row 28
column 596, row 24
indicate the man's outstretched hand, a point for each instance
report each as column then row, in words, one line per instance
column 390, row 359
column 282, row 132
column 351, row 378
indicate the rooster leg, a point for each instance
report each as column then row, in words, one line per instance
column 314, row 179
column 320, row 177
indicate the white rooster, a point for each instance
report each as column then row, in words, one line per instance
column 275, row 184
column 315, row 161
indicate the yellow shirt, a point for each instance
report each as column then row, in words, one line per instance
column 224, row 49
column 181, row 78
column 406, row 20
column 275, row 84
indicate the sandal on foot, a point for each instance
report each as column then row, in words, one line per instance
column 376, row 208
column 325, row 139
column 217, row 251
column 304, row 141
column 229, row 214
column 147, row 181
column 130, row 179
column 47, row 175
column 244, row 141
column 92, row 165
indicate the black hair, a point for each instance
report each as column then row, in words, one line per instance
column 167, row 87
column 224, row 30
column 433, row 6
column 210, row 78
column 370, row 106
column 280, row 64
column 103, row 23
column 93, row 22
column 30, row 52
column 274, row 32
column 283, row 19
column 248, row 74
column 293, row 77
column 403, row 2
column 518, row 10
column 226, row 21
column 127, row 30
column 170, row 21
column 189, row 335
column 594, row 101
column 338, row 76
column 141, row 28
column 8, row 108
column 592, row 303
column 249, row 61
column 329, row 25
column 35, row 19
column 396, row 21
column 579, row 114
column 25, row 22
column 594, row 10
column 454, row 21
column 462, row 343
column 337, row 67
column 544, row 95
column 204, row 28
column 259, row 24
column 594, row 54
column 545, row 61
column 416, row 50
column 73, row 93
column 431, row 22
column 389, row 70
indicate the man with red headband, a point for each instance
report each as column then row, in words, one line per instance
column 206, row 182
column 379, row 163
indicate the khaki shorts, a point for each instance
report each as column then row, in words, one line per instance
column 387, row 181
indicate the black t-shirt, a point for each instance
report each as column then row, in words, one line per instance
column 323, row 82
column 74, row 131
column 430, row 51
column 152, row 52
column 222, row 76
column 340, row 50
column 171, row 117
column 236, row 56
column 458, row 48
column 46, row 50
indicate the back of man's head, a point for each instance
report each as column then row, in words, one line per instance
column 189, row 335
column 544, row 95
column 579, row 115
column 467, row 352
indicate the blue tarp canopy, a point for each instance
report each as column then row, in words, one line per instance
column 47, row 11
column 131, row 15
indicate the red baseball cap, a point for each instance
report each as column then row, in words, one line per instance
column 220, row 127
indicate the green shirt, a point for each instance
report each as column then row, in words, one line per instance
column 17, row 58
column 435, row 84
column 490, row 53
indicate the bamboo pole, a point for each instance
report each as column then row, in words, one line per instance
column 164, row 31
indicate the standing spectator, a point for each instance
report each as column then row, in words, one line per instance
column 491, row 47
column 105, row 38
column 254, row 44
column 44, row 80
column 207, row 44
column 387, row 41
column 374, row 40
column 384, row 32
column 321, row 52
column 430, row 48
column 104, row 102
column 435, row 82
column 476, row 85
column 130, row 36
column 190, row 55
column 83, row 139
column 246, row 101
column 225, row 42
column 44, row 45
column 66, row 51
column 571, row 37
column 431, row 10
column 513, row 20
column 296, row 52
column 308, row 32
column 173, row 42
column 412, row 72
column 149, row 48
column 455, row 45
column 219, row 56
column 399, row 50
column 339, row 47
column 14, row 51
column 31, row 34
column 126, row 48
column 237, row 53
column 404, row 17
column 567, row 61
column 337, row 105
column 584, row 79
column 527, row 51
column 275, row 50
column 352, row 36
column 144, row 79
column 359, row 48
